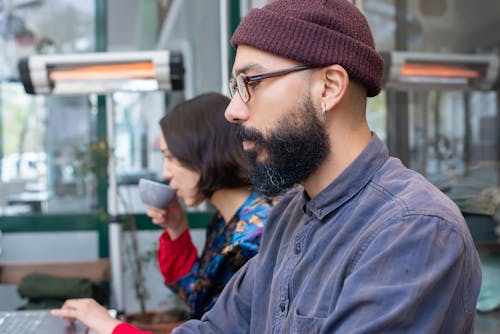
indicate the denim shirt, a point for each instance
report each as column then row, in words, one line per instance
column 379, row 250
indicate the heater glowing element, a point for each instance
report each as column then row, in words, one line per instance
column 102, row 73
column 413, row 70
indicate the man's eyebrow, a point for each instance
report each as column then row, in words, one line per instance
column 246, row 68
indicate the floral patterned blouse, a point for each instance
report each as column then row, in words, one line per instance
column 199, row 281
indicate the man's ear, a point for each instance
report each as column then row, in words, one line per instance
column 335, row 82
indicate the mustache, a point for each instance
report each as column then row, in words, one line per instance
column 250, row 134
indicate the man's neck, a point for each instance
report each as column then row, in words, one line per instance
column 345, row 147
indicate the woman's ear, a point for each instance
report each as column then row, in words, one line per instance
column 334, row 87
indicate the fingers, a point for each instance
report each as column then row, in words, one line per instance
column 69, row 310
column 74, row 308
column 88, row 311
column 157, row 216
column 167, row 218
column 153, row 212
column 173, row 219
column 65, row 314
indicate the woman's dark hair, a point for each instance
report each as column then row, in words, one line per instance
column 198, row 135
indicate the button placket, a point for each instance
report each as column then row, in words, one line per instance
column 300, row 237
column 297, row 248
column 282, row 301
column 283, row 307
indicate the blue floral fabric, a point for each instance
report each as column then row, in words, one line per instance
column 228, row 246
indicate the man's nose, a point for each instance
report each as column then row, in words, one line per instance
column 236, row 111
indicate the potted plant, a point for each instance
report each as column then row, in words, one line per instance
column 156, row 321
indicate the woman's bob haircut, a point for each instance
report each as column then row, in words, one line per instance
column 201, row 139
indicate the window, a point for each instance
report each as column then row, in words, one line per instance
column 46, row 159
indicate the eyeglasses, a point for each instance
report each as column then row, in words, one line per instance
column 242, row 81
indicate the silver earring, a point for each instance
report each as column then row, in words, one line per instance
column 323, row 110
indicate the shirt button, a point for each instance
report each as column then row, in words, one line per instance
column 297, row 249
column 282, row 307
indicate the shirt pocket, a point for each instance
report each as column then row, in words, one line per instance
column 306, row 324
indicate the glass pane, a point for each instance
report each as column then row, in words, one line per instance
column 24, row 160
column 435, row 25
column 453, row 136
column 46, row 165
column 454, row 141
column 44, row 146
column 29, row 27
column 376, row 114
column 137, row 153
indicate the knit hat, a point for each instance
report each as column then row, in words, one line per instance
column 318, row 33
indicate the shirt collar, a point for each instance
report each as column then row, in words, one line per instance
column 349, row 182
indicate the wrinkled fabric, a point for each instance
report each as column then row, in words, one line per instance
column 379, row 250
column 228, row 247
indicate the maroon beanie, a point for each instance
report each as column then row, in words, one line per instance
column 317, row 33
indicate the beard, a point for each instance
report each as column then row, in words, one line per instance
column 293, row 150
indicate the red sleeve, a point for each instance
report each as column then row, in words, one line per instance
column 125, row 328
column 176, row 257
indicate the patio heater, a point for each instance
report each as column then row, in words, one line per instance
column 445, row 71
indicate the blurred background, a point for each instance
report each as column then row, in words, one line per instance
column 54, row 194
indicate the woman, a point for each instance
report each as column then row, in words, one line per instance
column 203, row 160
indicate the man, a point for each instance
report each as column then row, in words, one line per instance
column 365, row 245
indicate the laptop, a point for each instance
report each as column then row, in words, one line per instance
column 37, row 321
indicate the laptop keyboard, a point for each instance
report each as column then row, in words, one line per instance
column 22, row 322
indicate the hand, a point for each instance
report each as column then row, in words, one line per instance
column 172, row 218
column 89, row 312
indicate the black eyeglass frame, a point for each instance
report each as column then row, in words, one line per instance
column 241, row 81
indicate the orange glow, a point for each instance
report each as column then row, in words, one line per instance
column 437, row 70
column 142, row 70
